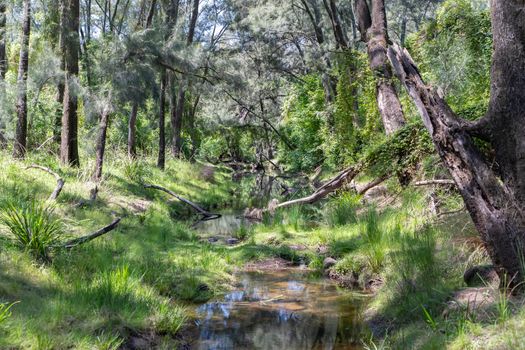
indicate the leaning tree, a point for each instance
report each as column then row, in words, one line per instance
column 493, row 189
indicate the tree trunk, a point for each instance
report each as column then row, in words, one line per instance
column 101, row 145
column 3, row 63
column 161, row 161
column 179, row 110
column 373, row 31
column 132, row 130
column 494, row 200
column 3, row 60
column 19, row 148
column 70, row 12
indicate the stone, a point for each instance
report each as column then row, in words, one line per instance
column 482, row 275
column 213, row 239
column 232, row 241
column 328, row 263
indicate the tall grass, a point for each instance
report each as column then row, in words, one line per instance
column 32, row 227
column 341, row 210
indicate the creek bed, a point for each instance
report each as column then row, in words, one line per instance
column 283, row 309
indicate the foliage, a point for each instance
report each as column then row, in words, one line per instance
column 32, row 227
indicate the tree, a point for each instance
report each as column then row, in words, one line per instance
column 69, row 23
column 20, row 145
column 176, row 120
column 3, row 60
column 493, row 195
column 373, row 29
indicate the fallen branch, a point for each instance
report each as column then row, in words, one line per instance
column 206, row 215
column 337, row 182
column 362, row 190
column 81, row 240
column 60, row 181
column 434, row 182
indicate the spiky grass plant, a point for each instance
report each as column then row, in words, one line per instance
column 5, row 311
column 32, row 227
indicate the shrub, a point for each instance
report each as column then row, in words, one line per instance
column 32, row 227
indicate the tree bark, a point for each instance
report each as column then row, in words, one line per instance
column 3, row 63
column 507, row 96
column 101, row 145
column 161, row 161
column 179, row 110
column 70, row 12
column 132, row 131
column 373, row 29
column 3, row 60
column 19, row 149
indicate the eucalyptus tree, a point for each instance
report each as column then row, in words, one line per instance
column 3, row 63
column 494, row 196
column 70, row 41
column 19, row 148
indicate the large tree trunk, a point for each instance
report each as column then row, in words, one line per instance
column 373, row 29
column 493, row 199
column 20, row 145
column 161, row 161
column 179, row 110
column 3, row 60
column 101, row 145
column 69, row 18
column 132, row 131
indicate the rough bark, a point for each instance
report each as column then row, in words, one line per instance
column 507, row 97
column 69, row 13
column 373, row 29
column 3, row 60
column 20, row 144
column 60, row 182
column 491, row 202
column 101, row 145
column 161, row 160
column 132, row 131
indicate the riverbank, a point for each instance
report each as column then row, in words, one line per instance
column 133, row 287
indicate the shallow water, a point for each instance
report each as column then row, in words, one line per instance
column 283, row 309
column 227, row 224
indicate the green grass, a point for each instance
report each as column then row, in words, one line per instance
column 145, row 276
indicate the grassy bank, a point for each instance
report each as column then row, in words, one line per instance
column 139, row 281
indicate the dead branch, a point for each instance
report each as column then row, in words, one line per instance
column 337, row 182
column 362, row 190
column 206, row 215
column 60, row 181
column 84, row 239
column 434, row 182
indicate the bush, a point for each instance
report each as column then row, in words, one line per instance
column 32, row 227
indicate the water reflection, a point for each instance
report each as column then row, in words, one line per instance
column 280, row 310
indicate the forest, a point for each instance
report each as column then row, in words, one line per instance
column 262, row 174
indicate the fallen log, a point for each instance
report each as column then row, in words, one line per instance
column 84, row 239
column 206, row 215
column 337, row 182
column 60, row 181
